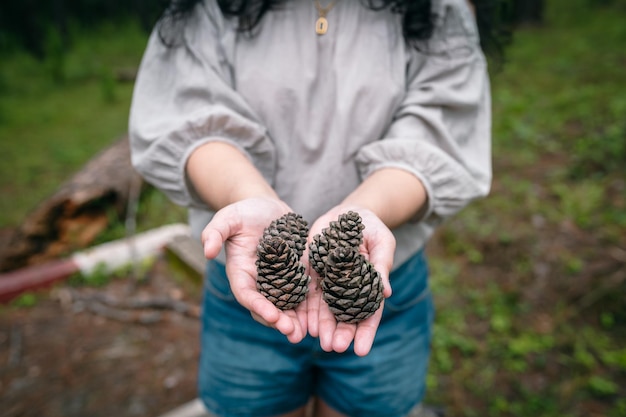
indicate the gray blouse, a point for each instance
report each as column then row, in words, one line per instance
column 316, row 114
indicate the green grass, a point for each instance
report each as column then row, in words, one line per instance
column 531, row 320
column 58, row 113
column 564, row 89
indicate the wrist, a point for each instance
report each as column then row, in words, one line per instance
column 222, row 174
column 394, row 195
column 250, row 190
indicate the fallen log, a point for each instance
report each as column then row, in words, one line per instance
column 77, row 213
column 104, row 258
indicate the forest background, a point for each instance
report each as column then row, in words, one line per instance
column 530, row 283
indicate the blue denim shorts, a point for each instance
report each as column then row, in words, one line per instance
column 249, row 370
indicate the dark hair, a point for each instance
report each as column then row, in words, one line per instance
column 417, row 18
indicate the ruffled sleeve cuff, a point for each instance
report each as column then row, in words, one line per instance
column 448, row 185
column 163, row 162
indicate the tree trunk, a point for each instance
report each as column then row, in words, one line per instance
column 74, row 216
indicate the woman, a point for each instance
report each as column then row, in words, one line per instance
column 246, row 110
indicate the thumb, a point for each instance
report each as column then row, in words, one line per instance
column 214, row 235
column 381, row 256
column 212, row 243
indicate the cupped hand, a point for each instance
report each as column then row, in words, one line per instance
column 378, row 247
column 239, row 227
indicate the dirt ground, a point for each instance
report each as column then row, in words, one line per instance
column 77, row 353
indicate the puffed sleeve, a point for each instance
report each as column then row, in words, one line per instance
column 183, row 98
column 441, row 129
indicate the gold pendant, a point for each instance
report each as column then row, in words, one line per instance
column 321, row 26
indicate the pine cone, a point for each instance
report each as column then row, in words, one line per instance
column 292, row 228
column 281, row 277
column 318, row 253
column 351, row 286
column 346, row 232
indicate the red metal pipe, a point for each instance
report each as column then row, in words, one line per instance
column 35, row 277
column 111, row 255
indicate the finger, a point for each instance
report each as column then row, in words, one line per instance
column 242, row 280
column 299, row 331
column 384, row 277
column 301, row 312
column 366, row 332
column 283, row 325
column 314, row 300
column 244, row 289
column 215, row 234
column 288, row 325
column 259, row 319
column 327, row 325
column 381, row 256
column 261, row 307
column 266, row 313
column 344, row 335
column 212, row 242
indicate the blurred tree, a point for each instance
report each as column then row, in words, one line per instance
column 27, row 23
column 528, row 11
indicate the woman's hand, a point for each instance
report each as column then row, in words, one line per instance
column 238, row 227
column 378, row 247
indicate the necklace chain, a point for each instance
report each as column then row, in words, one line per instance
column 321, row 24
column 322, row 11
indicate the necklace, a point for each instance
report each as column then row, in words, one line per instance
column 321, row 24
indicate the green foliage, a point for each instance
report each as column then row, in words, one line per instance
column 55, row 117
column 25, row 300
column 602, row 387
column 155, row 210
column 615, row 358
column 600, row 152
column 103, row 274
column 108, row 85
column 27, row 25
column 581, row 201
column 55, row 56
column 558, row 204
column 619, row 410
column 100, row 277
column 563, row 89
